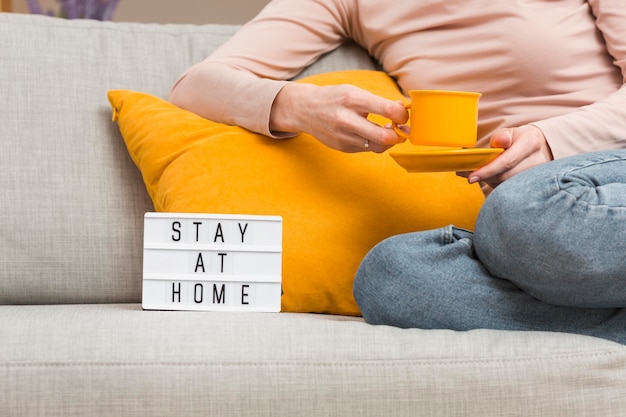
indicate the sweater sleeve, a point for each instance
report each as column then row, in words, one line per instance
column 237, row 83
column 600, row 125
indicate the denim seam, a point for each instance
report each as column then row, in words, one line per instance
column 560, row 179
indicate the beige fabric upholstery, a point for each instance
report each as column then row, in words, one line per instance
column 72, row 212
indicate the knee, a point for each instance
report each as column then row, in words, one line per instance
column 373, row 283
column 555, row 232
column 393, row 280
column 405, row 280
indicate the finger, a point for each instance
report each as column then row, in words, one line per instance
column 524, row 146
column 501, row 168
column 392, row 110
column 365, row 145
column 497, row 169
column 502, row 139
column 380, row 138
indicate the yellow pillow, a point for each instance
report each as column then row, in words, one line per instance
column 335, row 206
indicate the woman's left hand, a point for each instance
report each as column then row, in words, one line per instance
column 525, row 147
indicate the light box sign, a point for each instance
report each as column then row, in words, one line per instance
column 212, row 262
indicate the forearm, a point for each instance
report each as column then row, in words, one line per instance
column 601, row 125
column 237, row 84
column 227, row 95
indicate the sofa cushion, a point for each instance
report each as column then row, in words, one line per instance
column 335, row 206
column 158, row 363
column 73, row 202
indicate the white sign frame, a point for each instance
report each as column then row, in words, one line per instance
column 212, row 262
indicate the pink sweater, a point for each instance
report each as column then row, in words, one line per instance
column 559, row 64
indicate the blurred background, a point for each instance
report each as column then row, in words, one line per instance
column 168, row 11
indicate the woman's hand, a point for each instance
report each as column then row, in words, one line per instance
column 525, row 147
column 337, row 116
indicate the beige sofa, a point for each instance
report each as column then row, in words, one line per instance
column 74, row 340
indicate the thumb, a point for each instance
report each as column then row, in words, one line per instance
column 502, row 139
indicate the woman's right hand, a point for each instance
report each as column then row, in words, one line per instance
column 337, row 116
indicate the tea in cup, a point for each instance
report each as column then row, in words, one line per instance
column 442, row 118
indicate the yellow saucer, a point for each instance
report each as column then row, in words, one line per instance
column 446, row 159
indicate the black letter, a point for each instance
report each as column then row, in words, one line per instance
column 176, row 228
column 243, row 232
column 244, row 294
column 199, row 263
column 219, row 233
column 195, row 293
column 197, row 230
column 175, row 292
column 222, row 255
column 221, row 297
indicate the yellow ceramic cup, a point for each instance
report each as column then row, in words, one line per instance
column 442, row 118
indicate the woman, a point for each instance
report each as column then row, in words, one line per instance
column 552, row 77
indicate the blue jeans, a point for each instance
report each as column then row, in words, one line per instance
column 548, row 253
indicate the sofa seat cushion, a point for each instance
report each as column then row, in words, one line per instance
column 119, row 360
column 335, row 206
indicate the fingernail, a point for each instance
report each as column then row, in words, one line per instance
column 473, row 179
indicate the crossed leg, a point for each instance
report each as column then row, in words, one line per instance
column 548, row 253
